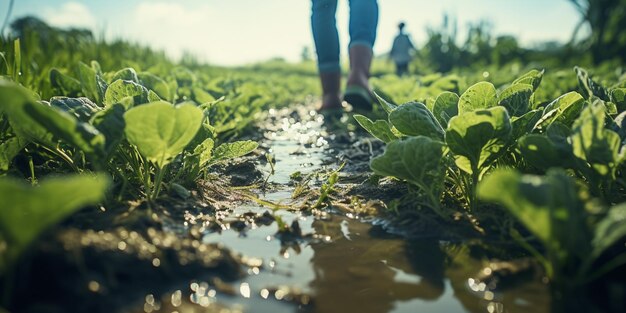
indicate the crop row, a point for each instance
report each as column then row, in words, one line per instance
column 555, row 166
column 113, row 136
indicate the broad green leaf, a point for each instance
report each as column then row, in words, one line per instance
column 477, row 138
column 516, row 99
column 610, row 107
column 609, row 230
column 67, row 128
column 414, row 119
column 233, row 150
column 565, row 109
column 388, row 107
column 527, row 197
column 184, row 77
column 594, row 144
column 152, row 96
column 620, row 125
column 201, row 96
column 618, row 96
column 205, row 132
column 524, row 124
column 532, row 78
column 430, row 103
column 379, row 129
column 446, row 107
column 110, row 123
column 173, row 86
column 548, row 206
column 205, row 151
column 477, row 97
column 417, row 160
column 126, row 74
column 95, row 66
column 121, row 89
column 81, row 108
column 12, row 101
column 40, row 123
column 29, row 210
column 559, row 134
column 67, row 85
column 589, row 86
column 541, row 152
column 93, row 85
column 563, row 102
column 160, row 130
column 156, row 84
column 9, row 149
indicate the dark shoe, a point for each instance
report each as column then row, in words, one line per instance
column 359, row 97
column 331, row 113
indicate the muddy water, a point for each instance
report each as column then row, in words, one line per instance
column 348, row 264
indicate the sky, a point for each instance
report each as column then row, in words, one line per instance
column 237, row 32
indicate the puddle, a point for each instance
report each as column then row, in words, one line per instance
column 347, row 264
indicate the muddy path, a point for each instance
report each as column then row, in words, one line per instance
column 256, row 238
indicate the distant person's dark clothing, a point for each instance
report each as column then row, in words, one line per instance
column 402, row 68
column 401, row 53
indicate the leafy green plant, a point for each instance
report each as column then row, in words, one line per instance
column 552, row 208
column 479, row 96
column 46, row 125
column 380, row 129
column 445, row 107
column 418, row 160
column 27, row 211
column 589, row 148
column 326, row 189
column 564, row 110
column 161, row 131
column 414, row 119
column 477, row 138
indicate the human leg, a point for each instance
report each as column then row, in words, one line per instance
column 363, row 22
column 326, row 38
column 362, row 28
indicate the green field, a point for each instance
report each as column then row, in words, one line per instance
column 484, row 181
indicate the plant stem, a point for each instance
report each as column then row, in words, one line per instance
column 160, row 172
column 434, row 202
column 473, row 189
column 58, row 152
column 31, row 165
column 146, row 179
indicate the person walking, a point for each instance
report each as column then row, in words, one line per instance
column 401, row 51
column 362, row 29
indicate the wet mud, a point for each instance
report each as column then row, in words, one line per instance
column 255, row 237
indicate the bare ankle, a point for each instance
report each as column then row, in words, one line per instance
column 331, row 101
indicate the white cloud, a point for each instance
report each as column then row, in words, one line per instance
column 216, row 33
column 170, row 26
column 70, row 14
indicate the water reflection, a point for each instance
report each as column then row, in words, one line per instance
column 344, row 264
column 371, row 271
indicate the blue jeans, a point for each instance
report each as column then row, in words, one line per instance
column 362, row 28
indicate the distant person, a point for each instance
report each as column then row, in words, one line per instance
column 401, row 51
column 362, row 29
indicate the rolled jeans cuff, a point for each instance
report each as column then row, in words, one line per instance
column 363, row 43
column 329, row 67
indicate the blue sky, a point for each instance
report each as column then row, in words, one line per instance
column 233, row 32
